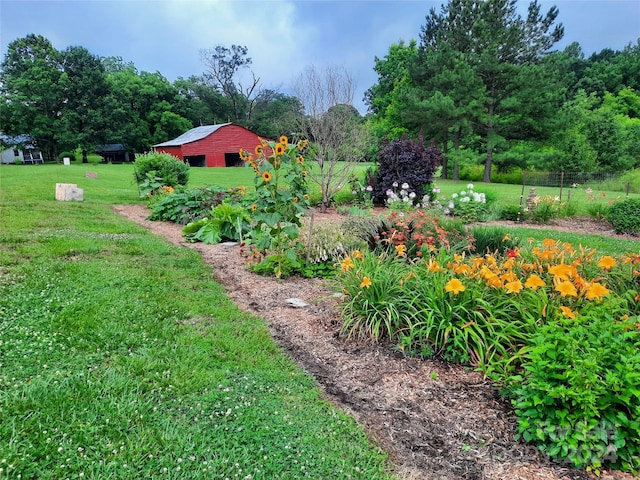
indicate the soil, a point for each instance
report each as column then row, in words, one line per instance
column 435, row 420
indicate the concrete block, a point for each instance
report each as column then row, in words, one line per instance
column 69, row 192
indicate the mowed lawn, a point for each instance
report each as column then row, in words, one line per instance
column 121, row 358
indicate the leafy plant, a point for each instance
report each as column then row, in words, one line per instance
column 597, row 210
column 154, row 170
column 624, row 215
column 184, row 206
column 492, row 239
column 578, row 398
column 227, row 222
column 512, row 213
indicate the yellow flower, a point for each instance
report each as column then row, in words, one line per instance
column 596, row 290
column 280, row 148
column 493, row 280
column 284, row 140
column 266, row 176
column 346, row 265
column 567, row 312
column 295, row 199
column 300, row 160
column 401, row 250
column 254, row 207
column 534, row 281
column 433, row 266
column 561, row 271
column 366, row 282
column 513, row 287
column 258, row 149
column 607, row 262
column 454, row 286
column 461, row 269
column 566, row 289
column 357, row 254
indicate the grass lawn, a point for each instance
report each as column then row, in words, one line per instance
column 121, row 358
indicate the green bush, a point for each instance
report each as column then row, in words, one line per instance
column 152, row 171
column 511, row 213
column 71, row 155
column 579, row 396
column 625, row 216
column 598, row 211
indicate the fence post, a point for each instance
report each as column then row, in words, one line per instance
column 561, row 183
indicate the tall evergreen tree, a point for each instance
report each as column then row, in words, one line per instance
column 502, row 50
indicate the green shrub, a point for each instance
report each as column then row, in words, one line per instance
column 514, row 177
column 511, row 213
column 152, row 171
column 625, row 216
column 71, row 155
column 579, row 396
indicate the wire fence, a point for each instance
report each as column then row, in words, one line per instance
column 566, row 181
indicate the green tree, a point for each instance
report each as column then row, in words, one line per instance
column 223, row 65
column 83, row 87
column 275, row 114
column 504, row 51
column 31, row 92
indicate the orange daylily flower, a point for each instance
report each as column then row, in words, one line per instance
column 357, row 254
column 607, row 262
column 513, row 287
column 509, row 277
column 454, row 286
column 461, row 269
column 401, row 250
column 493, row 280
column 433, row 266
column 534, row 282
column 366, row 282
column 562, row 271
column 567, row 312
column 566, row 289
column 346, row 265
column 596, row 290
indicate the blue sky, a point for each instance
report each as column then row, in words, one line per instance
column 283, row 36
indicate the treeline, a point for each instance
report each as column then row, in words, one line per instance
column 482, row 82
column 72, row 99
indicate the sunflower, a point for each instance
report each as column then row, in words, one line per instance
column 280, row 148
column 258, row 149
column 300, row 160
column 284, row 140
column 266, row 176
column 254, row 207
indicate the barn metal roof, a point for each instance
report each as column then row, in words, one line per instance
column 192, row 135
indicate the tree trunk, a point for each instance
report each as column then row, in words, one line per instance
column 487, row 166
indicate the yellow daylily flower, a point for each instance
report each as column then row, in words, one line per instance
column 454, row 286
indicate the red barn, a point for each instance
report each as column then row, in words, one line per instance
column 211, row 145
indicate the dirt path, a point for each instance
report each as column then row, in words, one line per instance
column 436, row 421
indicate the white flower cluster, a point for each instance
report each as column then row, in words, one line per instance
column 404, row 196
